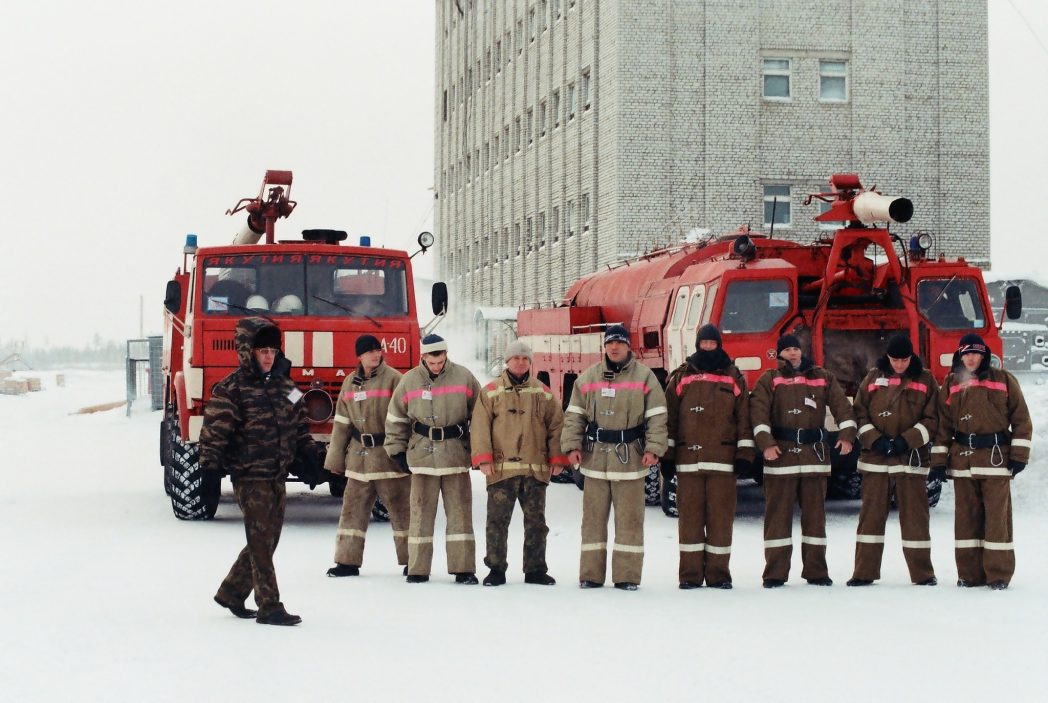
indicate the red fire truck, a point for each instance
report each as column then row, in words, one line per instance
column 843, row 296
column 321, row 293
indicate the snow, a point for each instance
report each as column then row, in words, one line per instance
column 109, row 597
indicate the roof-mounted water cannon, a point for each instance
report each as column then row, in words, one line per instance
column 265, row 209
column 858, row 206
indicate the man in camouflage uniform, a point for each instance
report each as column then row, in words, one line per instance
column 254, row 428
column 896, row 413
column 515, row 439
column 356, row 451
column 984, row 438
column 427, row 433
column 615, row 428
column 788, row 411
column 709, row 437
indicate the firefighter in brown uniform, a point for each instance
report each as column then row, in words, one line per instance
column 427, row 433
column 515, row 439
column 356, row 451
column 895, row 409
column 615, row 428
column 255, row 426
column 984, row 439
column 788, row 410
column 709, row 437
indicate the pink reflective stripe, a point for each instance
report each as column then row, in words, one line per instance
column 621, row 385
column 411, row 395
column 991, row 385
column 376, row 393
column 712, row 378
column 797, row 380
column 914, row 386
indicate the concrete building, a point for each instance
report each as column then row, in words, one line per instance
column 573, row 133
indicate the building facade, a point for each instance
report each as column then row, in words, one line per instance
column 573, row 133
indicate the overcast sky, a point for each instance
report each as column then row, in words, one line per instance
column 124, row 125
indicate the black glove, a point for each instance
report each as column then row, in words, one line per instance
column 741, row 466
column 937, row 473
column 1016, row 467
column 882, row 445
column 401, row 460
column 900, row 445
column 668, row 468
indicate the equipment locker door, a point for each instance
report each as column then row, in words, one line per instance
column 676, row 350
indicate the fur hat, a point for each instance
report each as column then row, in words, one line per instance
column 785, row 342
column 433, row 343
column 899, row 347
column 517, row 348
column 366, row 343
column 267, row 337
column 709, row 332
column 617, row 333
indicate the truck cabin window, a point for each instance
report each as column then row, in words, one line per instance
column 754, row 306
column 951, row 303
column 338, row 286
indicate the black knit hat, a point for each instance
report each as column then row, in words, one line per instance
column 708, row 332
column 900, row 347
column 616, row 333
column 972, row 342
column 267, row 337
column 366, row 343
column 785, row 342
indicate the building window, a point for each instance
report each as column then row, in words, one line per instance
column 556, row 108
column 486, row 251
column 833, row 81
column 569, row 219
column 542, row 118
column 508, row 46
column 776, row 79
column 532, row 25
column 542, row 229
column 487, row 157
column 584, row 215
column 777, row 199
column 529, row 233
column 516, row 238
column 544, row 14
column 506, row 244
column 570, row 106
column 556, row 223
column 825, row 207
column 556, row 9
column 498, row 57
column 445, row 104
column 516, row 134
column 520, row 37
column 585, row 90
column 529, row 120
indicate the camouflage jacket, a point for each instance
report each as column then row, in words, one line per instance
column 517, row 429
column 254, row 424
column 443, row 401
column 362, row 405
column 708, row 418
column 621, row 400
column 891, row 405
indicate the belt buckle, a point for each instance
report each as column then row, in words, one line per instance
column 367, row 439
column 436, row 439
column 798, row 440
column 971, row 440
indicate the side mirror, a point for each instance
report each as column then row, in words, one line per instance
column 1013, row 302
column 440, row 298
column 173, row 297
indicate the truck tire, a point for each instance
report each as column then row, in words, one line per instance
column 563, row 477
column 194, row 492
column 934, row 492
column 652, row 491
column 379, row 512
column 846, row 485
column 669, row 496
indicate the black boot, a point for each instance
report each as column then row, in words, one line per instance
column 495, row 578
column 824, row 581
column 417, row 578
column 928, row 582
column 997, row 585
column 626, row 586
column 343, row 570
column 590, row 584
column 237, row 609
column 774, row 583
column 961, row 583
column 540, row 578
column 723, row 585
column 278, row 616
column 688, row 585
column 860, row 582
column 469, row 579
column 405, row 571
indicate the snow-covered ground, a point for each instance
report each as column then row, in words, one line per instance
column 109, row 597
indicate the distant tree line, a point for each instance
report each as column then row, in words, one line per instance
column 99, row 353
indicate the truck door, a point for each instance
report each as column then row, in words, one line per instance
column 691, row 325
column 676, row 351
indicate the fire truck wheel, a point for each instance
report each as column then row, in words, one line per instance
column 934, row 492
column 194, row 492
column 336, row 485
column 669, row 496
column 651, row 487
column 577, row 477
column 845, row 486
column 379, row 512
column 564, row 476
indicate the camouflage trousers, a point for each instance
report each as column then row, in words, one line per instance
column 262, row 503
column 502, row 496
column 357, row 502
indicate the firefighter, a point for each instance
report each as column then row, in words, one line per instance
column 615, row 428
column 515, row 439
column 895, row 409
column 254, row 427
column 708, row 417
column 984, row 438
column 356, row 452
column 788, row 411
column 427, row 434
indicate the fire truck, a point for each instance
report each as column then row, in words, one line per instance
column 322, row 293
column 842, row 295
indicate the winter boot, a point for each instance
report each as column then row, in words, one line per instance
column 405, row 571
column 495, row 578
column 469, row 579
column 417, row 578
column 626, row 586
column 540, row 578
column 774, row 583
column 237, row 609
column 860, row 582
column 961, row 583
column 997, row 585
column 278, row 616
column 932, row 581
column 590, row 584
column 343, row 570
column 688, row 585
column 723, row 585
column 824, row 581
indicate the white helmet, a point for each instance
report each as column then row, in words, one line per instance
column 257, row 302
column 289, row 303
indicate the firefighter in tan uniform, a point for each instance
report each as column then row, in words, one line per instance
column 895, row 409
column 709, row 437
column 788, row 410
column 427, row 433
column 356, row 451
column 984, row 438
column 515, row 439
column 615, row 428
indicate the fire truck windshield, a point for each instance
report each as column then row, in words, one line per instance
column 951, row 303
column 754, row 306
column 305, row 285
